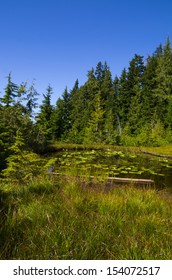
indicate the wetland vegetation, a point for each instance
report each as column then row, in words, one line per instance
column 61, row 219
column 66, row 217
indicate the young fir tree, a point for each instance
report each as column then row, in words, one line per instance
column 13, row 115
column 22, row 165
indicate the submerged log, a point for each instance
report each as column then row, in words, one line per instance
column 130, row 180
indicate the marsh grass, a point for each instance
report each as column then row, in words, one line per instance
column 166, row 150
column 58, row 146
column 60, row 218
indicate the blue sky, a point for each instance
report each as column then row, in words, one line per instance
column 58, row 41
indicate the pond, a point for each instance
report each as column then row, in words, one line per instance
column 108, row 163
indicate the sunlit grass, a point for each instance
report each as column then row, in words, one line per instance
column 166, row 150
column 163, row 150
column 66, row 219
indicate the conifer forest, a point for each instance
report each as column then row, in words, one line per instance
column 134, row 109
column 56, row 159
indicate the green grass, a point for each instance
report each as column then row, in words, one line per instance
column 163, row 150
column 166, row 150
column 66, row 219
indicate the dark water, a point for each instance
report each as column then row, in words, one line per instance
column 116, row 164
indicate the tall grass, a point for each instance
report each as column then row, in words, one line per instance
column 65, row 219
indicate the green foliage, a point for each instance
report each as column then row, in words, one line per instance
column 44, row 117
column 133, row 109
column 10, row 92
column 127, row 111
column 32, row 99
column 22, row 165
column 93, row 132
column 49, row 166
column 66, row 221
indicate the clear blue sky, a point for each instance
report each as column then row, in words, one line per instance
column 58, row 41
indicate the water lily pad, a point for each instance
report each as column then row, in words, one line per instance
column 124, row 172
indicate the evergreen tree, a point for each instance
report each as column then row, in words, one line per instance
column 82, row 107
column 21, row 164
column 44, row 117
column 110, row 107
column 10, row 92
column 99, row 72
column 61, row 117
column 94, row 130
column 32, row 98
column 66, row 112
column 149, row 85
column 75, row 114
column 134, row 88
column 163, row 90
column 123, row 98
column 57, row 120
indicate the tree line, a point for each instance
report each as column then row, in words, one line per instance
column 133, row 109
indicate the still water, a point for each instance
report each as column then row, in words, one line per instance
column 116, row 164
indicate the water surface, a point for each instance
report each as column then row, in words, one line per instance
column 116, row 164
